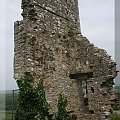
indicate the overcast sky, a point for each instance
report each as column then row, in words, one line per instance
column 2, row 45
column 97, row 24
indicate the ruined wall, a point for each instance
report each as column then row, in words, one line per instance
column 49, row 45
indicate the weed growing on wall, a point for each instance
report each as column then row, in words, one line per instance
column 62, row 113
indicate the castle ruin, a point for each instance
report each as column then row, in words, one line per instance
column 49, row 44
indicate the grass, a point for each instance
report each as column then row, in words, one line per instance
column 6, row 115
column 2, row 116
column 115, row 117
column 6, row 99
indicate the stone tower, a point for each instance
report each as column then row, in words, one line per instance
column 49, row 45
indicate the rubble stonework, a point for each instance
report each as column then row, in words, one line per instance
column 49, row 45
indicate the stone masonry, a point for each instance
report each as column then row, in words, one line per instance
column 49, row 45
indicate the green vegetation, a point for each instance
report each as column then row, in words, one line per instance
column 62, row 113
column 32, row 103
column 118, row 90
column 6, row 100
column 6, row 104
column 2, row 115
column 5, row 115
column 2, row 101
column 117, row 105
column 115, row 117
column 62, row 103
column 9, row 99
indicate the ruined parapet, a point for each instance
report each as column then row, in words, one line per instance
column 49, row 45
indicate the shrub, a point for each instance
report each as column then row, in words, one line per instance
column 62, row 113
column 32, row 103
